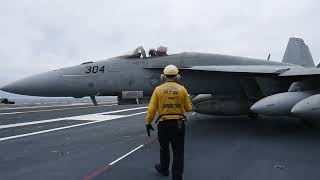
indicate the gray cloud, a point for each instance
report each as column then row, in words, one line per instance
column 41, row 35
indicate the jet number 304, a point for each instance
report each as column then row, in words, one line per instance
column 94, row 69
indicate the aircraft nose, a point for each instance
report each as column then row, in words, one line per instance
column 45, row 84
column 7, row 88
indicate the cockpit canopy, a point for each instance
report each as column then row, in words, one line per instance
column 139, row 52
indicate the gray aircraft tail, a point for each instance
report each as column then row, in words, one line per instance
column 298, row 53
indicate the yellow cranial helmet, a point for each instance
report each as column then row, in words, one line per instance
column 171, row 70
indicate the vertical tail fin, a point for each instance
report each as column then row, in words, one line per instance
column 298, row 53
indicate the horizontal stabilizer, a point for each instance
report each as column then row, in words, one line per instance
column 297, row 52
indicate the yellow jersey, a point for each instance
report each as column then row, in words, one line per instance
column 168, row 98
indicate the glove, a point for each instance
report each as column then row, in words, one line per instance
column 149, row 127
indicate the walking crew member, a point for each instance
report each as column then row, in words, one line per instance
column 170, row 100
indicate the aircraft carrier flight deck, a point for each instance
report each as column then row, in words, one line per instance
column 78, row 141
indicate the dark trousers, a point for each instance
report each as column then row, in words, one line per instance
column 172, row 131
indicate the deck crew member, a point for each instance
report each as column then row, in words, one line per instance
column 170, row 100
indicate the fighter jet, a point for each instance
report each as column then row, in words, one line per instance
column 218, row 84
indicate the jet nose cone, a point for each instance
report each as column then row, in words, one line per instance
column 11, row 88
column 5, row 88
column 18, row 87
column 39, row 85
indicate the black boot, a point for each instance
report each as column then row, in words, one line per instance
column 176, row 177
column 162, row 172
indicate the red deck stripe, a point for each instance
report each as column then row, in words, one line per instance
column 107, row 166
column 97, row 172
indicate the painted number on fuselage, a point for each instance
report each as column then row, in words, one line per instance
column 94, row 69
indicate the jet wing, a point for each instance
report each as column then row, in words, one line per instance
column 282, row 71
column 255, row 69
column 301, row 71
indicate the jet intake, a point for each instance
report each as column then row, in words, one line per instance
column 280, row 104
column 225, row 106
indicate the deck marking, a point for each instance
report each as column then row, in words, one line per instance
column 122, row 157
column 94, row 117
column 61, row 105
column 48, row 110
column 65, row 127
column 88, row 117
column 105, row 167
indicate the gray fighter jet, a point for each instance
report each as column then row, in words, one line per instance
column 218, row 84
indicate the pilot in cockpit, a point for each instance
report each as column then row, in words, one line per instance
column 161, row 51
column 152, row 52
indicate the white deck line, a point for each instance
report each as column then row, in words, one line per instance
column 62, row 128
column 119, row 159
column 61, row 105
column 48, row 110
column 82, row 117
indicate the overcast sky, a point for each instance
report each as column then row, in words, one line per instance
column 42, row 35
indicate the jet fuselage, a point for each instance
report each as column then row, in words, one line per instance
column 112, row 76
